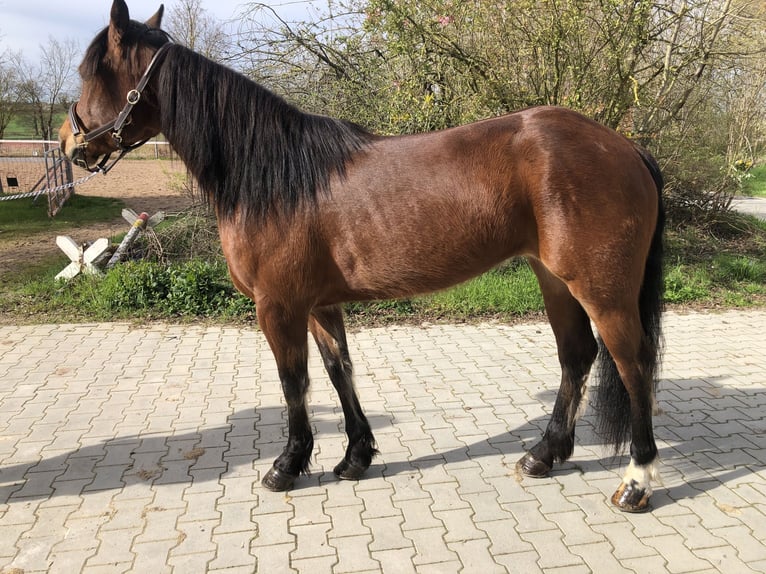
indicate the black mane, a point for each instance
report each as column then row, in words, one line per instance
column 248, row 149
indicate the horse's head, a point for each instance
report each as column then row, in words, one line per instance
column 116, row 112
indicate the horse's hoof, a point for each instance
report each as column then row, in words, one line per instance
column 346, row 470
column 631, row 498
column 533, row 467
column 278, row 481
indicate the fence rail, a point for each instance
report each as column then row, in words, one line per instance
column 155, row 149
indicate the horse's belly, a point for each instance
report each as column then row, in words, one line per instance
column 395, row 266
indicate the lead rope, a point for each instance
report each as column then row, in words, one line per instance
column 49, row 190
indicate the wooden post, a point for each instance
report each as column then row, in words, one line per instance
column 128, row 240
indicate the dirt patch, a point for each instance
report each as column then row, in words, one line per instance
column 144, row 185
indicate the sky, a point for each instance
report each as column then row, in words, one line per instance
column 26, row 24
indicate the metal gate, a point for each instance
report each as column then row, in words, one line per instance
column 58, row 172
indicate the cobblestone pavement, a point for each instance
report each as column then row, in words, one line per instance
column 140, row 449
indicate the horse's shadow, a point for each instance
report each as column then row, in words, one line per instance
column 696, row 440
column 258, row 435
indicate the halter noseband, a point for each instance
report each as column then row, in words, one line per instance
column 123, row 119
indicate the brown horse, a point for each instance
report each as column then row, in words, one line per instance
column 313, row 212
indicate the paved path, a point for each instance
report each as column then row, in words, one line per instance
column 752, row 205
column 140, row 449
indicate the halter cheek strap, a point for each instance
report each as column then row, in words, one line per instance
column 123, row 119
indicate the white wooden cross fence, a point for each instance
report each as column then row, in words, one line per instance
column 83, row 258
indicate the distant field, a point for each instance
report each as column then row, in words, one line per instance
column 22, row 126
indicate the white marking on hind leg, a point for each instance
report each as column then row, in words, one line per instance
column 583, row 406
column 656, row 408
column 575, row 411
column 642, row 476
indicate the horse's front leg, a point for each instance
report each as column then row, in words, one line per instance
column 285, row 331
column 326, row 325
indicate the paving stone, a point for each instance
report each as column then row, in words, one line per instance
column 387, row 534
column 623, row 540
column 503, row 537
column 113, row 546
column 191, row 563
column 314, row 564
column 550, row 546
column 354, row 555
column 150, row 459
column 417, row 515
column 276, row 558
column 378, row 503
column 153, row 556
column 677, row 556
column 312, row 541
column 749, row 548
column 233, row 550
column 430, row 547
column 520, row 562
column 475, row 555
column 399, row 561
column 113, row 568
column 576, row 531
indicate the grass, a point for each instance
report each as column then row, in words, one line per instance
column 508, row 291
column 25, row 217
column 754, row 185
column 712, row 266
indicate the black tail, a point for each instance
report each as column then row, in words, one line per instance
column 612, row 402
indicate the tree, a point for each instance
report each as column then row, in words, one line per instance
column 701, row 101
column 684, row 77
column 49, row 86
column 191, row 25
column 8, row 92
column 326, row 65
column 440, row 62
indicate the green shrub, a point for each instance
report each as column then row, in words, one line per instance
column 133, row 286
column 755, row 183
column 239, row 306
column 382, row 311
column 192, row 234
column 198, row 288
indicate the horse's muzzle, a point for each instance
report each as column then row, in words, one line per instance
column 68, row 144
column 75, row 148
column 79, row 157
column 76, row 153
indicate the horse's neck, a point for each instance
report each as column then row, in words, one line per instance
column 246, row 146
column 208, row 109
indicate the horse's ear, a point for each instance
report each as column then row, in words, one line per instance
column 118, row 23
column 156, row 20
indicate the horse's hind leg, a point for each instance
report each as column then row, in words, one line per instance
column 625, row 402
column 577, row 350
column 286, row 333
column 326, row 325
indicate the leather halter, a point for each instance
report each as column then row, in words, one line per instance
column 115, row 127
